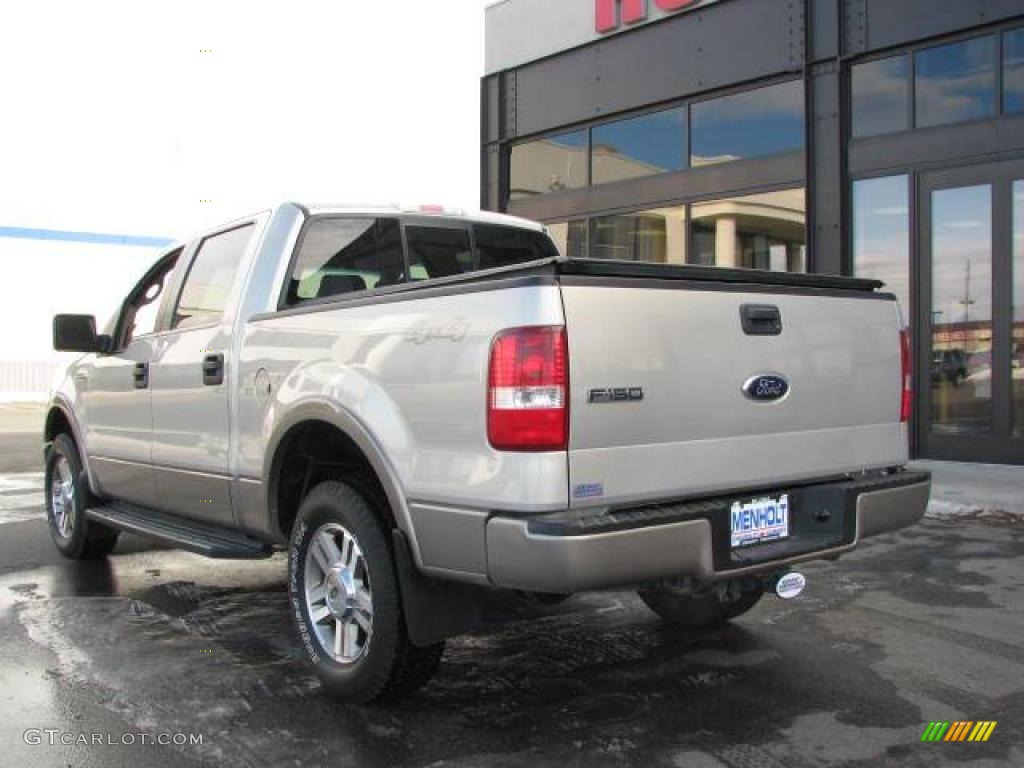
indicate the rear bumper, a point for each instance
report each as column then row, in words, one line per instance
column 572, row 552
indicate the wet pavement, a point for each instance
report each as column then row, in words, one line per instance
column 921, row 625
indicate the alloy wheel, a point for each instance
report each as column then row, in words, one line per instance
column 62, row 497
column 339, row 599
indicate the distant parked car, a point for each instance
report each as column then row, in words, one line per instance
column 949, row 365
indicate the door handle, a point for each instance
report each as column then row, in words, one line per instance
column 213, row 369
column 141, row 375
column 761, row 319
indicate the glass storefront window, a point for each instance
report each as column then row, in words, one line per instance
column 657, row 235
column 1013, row 71
column 570, row 237
column 961, row 360
column 639, row 146
column 765, row 121
column 1017, row 337
column 881, row 234
column 763, row 231
column 548, row 165
column 880, row 96
column 956, row 82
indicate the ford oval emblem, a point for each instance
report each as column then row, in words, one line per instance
column 766, row 387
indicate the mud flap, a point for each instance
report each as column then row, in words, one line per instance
column 435, row 610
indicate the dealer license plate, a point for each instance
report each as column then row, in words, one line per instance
column 759, row 520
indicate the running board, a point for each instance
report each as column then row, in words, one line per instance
column 192, row 535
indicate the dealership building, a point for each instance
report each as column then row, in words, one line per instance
column 876, row 138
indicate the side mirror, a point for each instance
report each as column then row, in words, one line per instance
column 77, row 333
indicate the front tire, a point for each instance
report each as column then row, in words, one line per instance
column 67, row 497
column 345, row 599
column 701, row 610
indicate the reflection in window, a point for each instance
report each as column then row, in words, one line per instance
column 570, row 237
column 640, row 146
column 956, row 82
column 548, row 165
column 961, row 363
column 881, row 235
column 1013, row 71
column 765, row 231
column 1017, row 341
column 881, row 96
column 657, row 235
column 765, row 121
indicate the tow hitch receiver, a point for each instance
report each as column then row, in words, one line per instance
column 789, row 585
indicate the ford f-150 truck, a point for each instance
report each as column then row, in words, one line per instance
column 424, row 406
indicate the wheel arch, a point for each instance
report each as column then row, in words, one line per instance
column 61, row 419
column 325, row 415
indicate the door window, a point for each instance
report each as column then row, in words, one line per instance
column 142, row 308
column 961, row 351
column 204, row 297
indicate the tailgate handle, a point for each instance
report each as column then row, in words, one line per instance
column 761, row 319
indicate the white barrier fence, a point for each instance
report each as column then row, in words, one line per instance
column 26, row 380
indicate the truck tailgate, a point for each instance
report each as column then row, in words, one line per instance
column 693, row 431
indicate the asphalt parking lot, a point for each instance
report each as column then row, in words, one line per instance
column 921, row 625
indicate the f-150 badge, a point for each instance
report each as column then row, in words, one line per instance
column 616, row 395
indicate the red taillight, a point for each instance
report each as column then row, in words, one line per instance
column 528, row 390
column 905, row 377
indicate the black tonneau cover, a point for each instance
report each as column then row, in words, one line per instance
column 690, row 272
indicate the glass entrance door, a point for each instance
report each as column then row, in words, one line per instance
column 970, row 380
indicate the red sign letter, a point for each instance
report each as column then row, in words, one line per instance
column 607, row 13
column 673, row 5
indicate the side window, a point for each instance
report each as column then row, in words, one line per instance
column 503, row 246
column 142, row 308
column 438, row 252
column 210, row 277
column 343, row 255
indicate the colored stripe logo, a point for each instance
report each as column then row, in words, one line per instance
column 959, row 730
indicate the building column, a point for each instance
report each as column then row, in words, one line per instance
column 675, row 238
column 725, row 242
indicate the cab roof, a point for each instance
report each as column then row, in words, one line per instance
column 441, row 211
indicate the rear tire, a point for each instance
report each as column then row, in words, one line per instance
column 697, row 611
column 346, row 603
column 67, row 498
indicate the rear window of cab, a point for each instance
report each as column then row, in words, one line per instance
column 339, row 255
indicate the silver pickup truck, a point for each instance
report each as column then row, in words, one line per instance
column 424, row 407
